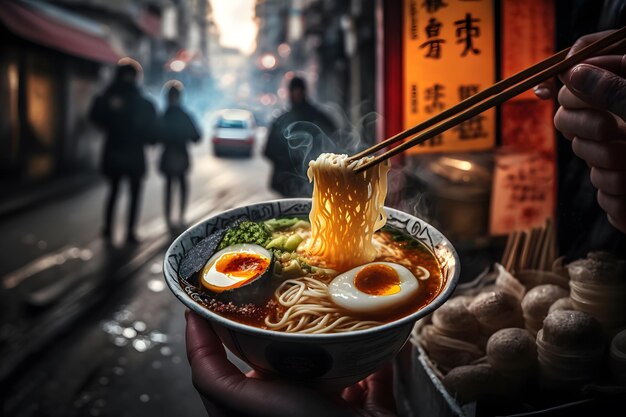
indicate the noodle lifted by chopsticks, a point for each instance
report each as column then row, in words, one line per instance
column 347, row 209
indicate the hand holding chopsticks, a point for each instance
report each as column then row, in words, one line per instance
column 490, row 97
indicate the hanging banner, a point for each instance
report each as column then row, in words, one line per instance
column 524, row 188
column 448, row 55
column 526, row 121
column 532, row 21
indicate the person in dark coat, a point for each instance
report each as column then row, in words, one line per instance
column 296, row 137
column 176, row 129
column 128, row 119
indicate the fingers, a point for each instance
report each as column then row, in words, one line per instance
column 606, row 155
column 619, row 224
column 599, row 88
column 569, row 100
column 609, row 181
column 253, row 374
column 613, row 63
column 581, row 43
column 212, row 372
column 354, row 395
column 586, row 40
column 546, row 90
column 591, row 89
column 380, row 392
column 221, row 382
column 587, row 124
column 611, row 187
column 615, row 208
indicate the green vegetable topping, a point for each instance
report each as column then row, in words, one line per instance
column 286, row 223
column 246, row 232
column 277, row 242
column 292, row 242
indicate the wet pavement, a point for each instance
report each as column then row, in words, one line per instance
column 90, row 329
column 124, row 358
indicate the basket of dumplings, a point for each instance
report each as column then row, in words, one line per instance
column 533, row 334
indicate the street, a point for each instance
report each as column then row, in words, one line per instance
column 88, row 329
column 447, row 112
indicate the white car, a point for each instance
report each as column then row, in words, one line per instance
column 234, row 133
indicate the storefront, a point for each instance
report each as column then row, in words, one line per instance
column 50, row 66
column 493, row 173
column 528, row 234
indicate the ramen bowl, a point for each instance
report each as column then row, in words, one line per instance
column 327, row 361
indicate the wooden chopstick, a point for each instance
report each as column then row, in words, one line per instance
column 527, row 79
column 468, row 102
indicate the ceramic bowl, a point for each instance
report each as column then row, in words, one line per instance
column 326, row 361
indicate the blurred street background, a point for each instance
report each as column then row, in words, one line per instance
column 87, row 324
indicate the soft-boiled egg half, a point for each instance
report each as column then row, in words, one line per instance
column 235, row 266
column 377, row 287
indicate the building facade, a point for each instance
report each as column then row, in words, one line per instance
column 57, row 55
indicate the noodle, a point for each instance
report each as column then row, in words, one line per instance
column 347, row 209
column 310, row 310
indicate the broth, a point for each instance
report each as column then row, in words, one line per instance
column 392, row 246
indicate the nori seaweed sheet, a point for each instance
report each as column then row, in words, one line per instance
column 195, row 259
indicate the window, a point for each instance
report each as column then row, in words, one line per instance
column 231, row 124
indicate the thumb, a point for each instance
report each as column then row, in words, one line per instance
column 600, row 88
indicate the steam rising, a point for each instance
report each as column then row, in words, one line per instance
column 307, row 141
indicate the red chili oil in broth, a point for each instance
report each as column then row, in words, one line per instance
column 413, row 254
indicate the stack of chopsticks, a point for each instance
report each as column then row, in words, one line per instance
column 531, row 249
column 490, row 97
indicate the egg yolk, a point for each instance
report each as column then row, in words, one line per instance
column 377, row 279
column 241, row 265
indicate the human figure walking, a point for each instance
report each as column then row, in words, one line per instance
column 176, row 129
column 128, row 120
column 302, row 121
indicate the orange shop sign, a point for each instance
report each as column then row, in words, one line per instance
column 448, row 55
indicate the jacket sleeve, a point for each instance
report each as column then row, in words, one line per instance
column 152, row 123
column 160, row 132
column 194, row 132
column 98, row 112
column 326, row 124
column 271, row 144
column 277, row 147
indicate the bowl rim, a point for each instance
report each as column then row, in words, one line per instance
column 174, row 285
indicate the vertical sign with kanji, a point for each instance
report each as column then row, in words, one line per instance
column 449, row 55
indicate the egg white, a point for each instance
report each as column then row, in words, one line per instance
column 212, row 277
column 345, row 294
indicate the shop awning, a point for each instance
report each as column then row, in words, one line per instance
column 27, row 23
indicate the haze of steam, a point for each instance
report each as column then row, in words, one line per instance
column 347, row 209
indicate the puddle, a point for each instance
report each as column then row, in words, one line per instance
column 156, row 285
column 140, row 326
column 123, row 331
column 156, row 268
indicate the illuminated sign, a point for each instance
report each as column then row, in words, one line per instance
column 448, row 55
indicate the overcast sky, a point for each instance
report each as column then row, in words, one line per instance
column 235, row 20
